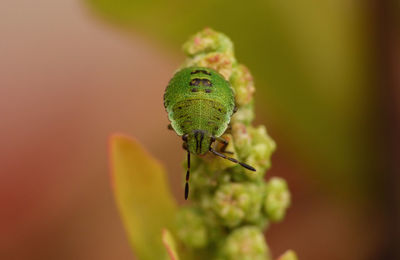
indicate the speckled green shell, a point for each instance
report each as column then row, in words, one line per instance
column 198, row 98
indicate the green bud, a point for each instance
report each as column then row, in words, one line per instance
column 277, row 199
column 221, row 62
column 210, row 49
column 260, row 135
column 242, row 83
column 242, row 139
column 245, row 114
column 202, row 181
column 255, row 191
column 216, row 232
column 207, row 41
column 255, row 146
column 231, row 203
column 191, row 228
column 262, row 148
column 235, row 203
column 245, row 243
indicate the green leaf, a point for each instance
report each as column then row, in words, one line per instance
column 142, row 196
column 170, row 245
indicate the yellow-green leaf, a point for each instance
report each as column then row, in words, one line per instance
column 142, row 195
column 170, row 245
column 288, row 255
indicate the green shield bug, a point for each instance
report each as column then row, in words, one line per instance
column 200, row 103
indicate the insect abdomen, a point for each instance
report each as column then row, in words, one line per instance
column 200, row 114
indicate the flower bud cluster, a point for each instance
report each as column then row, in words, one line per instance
column 231, row 205
column 245, row 243
column 211, row 49
column 277, row 199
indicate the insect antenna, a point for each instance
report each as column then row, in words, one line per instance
column 187, row 176
column 232, row 159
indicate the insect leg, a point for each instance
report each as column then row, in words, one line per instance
column 235, row 109
column 224, row 144
column 232, row 160
column 187, row 176
column 228, row 129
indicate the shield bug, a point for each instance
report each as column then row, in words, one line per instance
column 200, row 103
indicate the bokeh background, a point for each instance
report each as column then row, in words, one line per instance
column 72, row 72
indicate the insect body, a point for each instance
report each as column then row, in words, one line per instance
column 200, row 103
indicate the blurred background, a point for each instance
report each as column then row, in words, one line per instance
column 73, row 72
